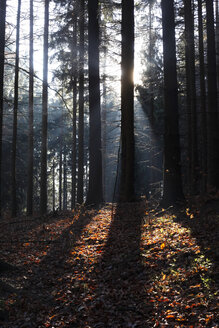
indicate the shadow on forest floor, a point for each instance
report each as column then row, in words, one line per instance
column 38, row 257
column 119, row 276
column 115, row 267
column 205, row 230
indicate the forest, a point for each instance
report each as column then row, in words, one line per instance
column 109, row 163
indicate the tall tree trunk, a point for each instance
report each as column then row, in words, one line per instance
column 2, row 61
column 80, row 189
column 127, row 102
column 152, row 177
column 60, row 163
column 95, row 193
column 74, row 119
column 213, row 136
column 53, row 187
column 172, row 170
column 60, row 179
column 104, row 102
column 43, row 182
column 217, row 39
column 65, row 180
column 202, row 101
column 30, row 132
column 191, row 96
column 151, row 91
column 74, row 144
column 14, row 136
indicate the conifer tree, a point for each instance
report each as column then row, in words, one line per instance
column 30, row 132
column 213, row 136
column 127, row 102
column 172, row 170
column 14, row 136
column 95, row 193
column 2, row 62
column 43, row 176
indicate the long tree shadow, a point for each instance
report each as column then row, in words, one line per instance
column 38, row 295
column 115, row 272
column 120, row 299
column 205, row 230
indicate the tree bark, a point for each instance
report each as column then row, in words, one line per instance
column 30, row 130
column 43, row 182
column 65, row 192
column 53, row 187
column 104, row 118
column 60, row 179
column 80, row 189
column 191, row 97
column 151, row 91
column 127, row 103
column 213, row 137
column 202, row 101
column 74, row 119
column 14, row 136
column 217, row 39
column 60, row 163
column 172, row 171
column 2, row 62
column 95, row 193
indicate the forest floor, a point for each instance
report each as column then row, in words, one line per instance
column 118, row 266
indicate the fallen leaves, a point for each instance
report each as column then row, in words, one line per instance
column 96, row 270
column 162, row 245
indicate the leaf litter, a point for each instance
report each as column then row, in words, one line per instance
column 117, row 267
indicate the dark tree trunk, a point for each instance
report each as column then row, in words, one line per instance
column 191, row 96
column 65, row 192
column 74, row 145
column 217, row 39
column 74, row 119
column 152, row 177
column 43, row 182
column 202, row 102
column 151, row 91
column 127, row 102
column 60, row 166
column 172, row 170
column 95, row 193
column 53, row 187
column 80, row 189
column 103, row 117
column 213, row 134
column 14, row 136
column 30, row 132
column 2, row 61
column 60, row 180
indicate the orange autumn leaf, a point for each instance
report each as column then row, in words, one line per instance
column 209, row 318
column 195, row 286
column 170, row 316
column 162, row 246
column 171, row 305
column 181, row 319
column 50, row 318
